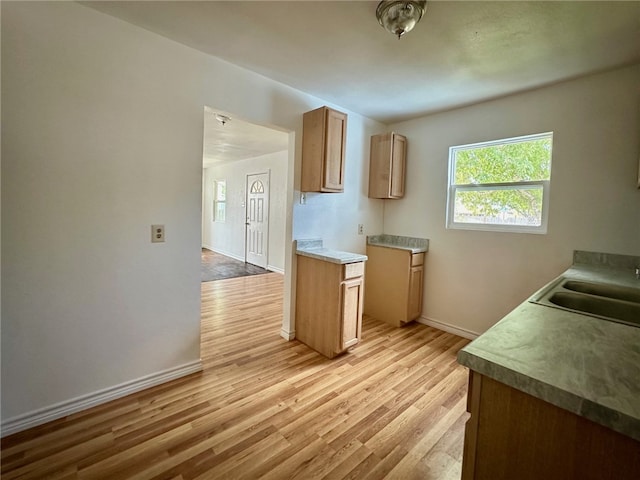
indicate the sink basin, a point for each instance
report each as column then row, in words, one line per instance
column 602, row 290
column 608, row 308
column 615, row 303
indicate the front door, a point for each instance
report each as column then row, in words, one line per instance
column 257, row 219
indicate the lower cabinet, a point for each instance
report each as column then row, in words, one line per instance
column 394, row 282
column 513, row 435
column 329, row 300
column 416, row 274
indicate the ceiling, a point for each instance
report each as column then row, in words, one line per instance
column 238, row 139
column 459, row 54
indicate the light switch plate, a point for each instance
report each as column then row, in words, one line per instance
column 157, row 233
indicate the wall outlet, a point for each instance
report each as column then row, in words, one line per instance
column 360, row 229
column 157, row 233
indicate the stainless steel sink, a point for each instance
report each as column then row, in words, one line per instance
column 603, row 290
column 603, row 307
column 606, row 301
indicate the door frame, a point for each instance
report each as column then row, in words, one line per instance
column 246, row 212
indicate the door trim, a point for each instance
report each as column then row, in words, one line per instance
column 267, row 172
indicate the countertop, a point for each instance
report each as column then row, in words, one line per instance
column 412, row 244
column 313, row 248
column 583, row 364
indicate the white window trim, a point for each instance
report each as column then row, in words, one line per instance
column 452, row 188
column 216, row 202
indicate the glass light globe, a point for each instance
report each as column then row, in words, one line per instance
column 400, row 16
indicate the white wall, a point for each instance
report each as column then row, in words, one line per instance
column 102, row 137
column 474, row 278
column 228, row 238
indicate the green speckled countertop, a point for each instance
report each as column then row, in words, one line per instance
column 583, row 364
column 412, row 244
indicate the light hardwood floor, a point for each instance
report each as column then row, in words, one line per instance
column 394, row 407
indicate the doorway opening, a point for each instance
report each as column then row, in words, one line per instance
column 244, row 196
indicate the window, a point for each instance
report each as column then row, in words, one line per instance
column 257, row 187
column 501, row 185
column 219, row 200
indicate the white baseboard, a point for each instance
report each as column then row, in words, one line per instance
column 287, row 335
column 68, row 407
column 271, row 268
column 461, row 332
column 226, row 254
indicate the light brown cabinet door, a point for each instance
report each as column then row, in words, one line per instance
column 334, row 151
column 387, row 164
column 414, row 308
column 398, row 160
column 351, row 312
column 324, row 133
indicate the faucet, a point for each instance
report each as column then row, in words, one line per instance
column 638, row 272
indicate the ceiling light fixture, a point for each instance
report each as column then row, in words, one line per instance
column 222, row 118
column 400, row 16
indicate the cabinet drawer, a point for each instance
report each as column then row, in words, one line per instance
column 417, row 259
column 352, row 270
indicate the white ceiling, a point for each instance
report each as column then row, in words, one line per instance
column 460, row 53
column 238, row 139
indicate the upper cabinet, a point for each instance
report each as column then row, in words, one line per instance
column 323, row 150
column 387, row 165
